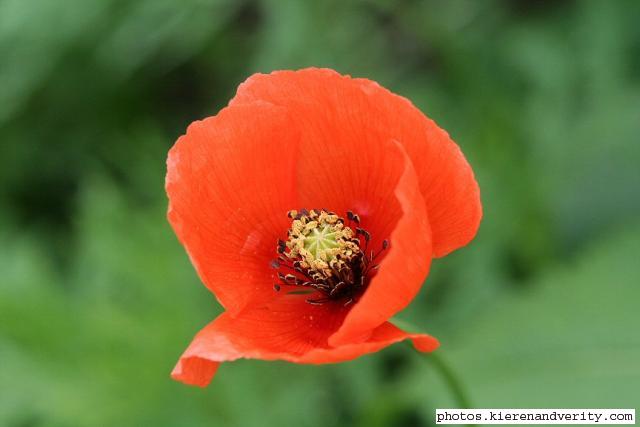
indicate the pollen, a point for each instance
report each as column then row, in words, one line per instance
column 325, row 253
column 321, row 242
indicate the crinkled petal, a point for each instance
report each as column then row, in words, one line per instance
column 230, row 182
column 345, row 165
column 353, row 170
column 405, row 267
column 445, row 178
column 286, row 329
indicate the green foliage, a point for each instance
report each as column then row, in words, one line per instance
column 98, row 299
column 570, row 342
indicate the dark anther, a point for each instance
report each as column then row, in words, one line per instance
column 343, row 280
column 364, row 233
column 340, row 287
column 290, row 278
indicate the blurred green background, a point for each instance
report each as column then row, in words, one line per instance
column 98, row 299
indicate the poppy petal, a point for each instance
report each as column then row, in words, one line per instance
column 230, row 182
column 445, row 178
column 286, row 329
column 346, row 165
column 402, row 271
column 354, row 170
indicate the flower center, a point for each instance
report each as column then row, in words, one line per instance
column 325, row 253
column 321, row 241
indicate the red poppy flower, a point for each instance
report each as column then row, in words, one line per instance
column 311, row 207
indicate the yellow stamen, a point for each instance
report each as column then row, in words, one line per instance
column 321, row 242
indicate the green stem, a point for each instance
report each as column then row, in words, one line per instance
column 446, row 372
column 452, row 380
